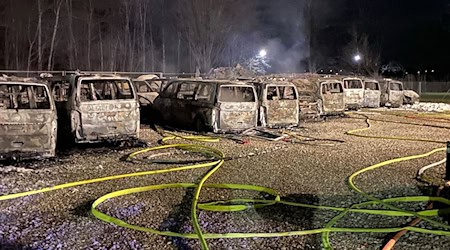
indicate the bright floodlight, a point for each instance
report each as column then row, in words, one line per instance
column 262, row 53
column 357, row 58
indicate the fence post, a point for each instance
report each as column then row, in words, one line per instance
column 420, row 88
column 447, row 164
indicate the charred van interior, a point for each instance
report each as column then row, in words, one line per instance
column 15, row 96
column 105, row 89
column 236, row 94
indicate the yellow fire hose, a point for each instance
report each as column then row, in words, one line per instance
column 243, row 204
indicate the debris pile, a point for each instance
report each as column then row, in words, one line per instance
column 428, row 107
column 231, row 73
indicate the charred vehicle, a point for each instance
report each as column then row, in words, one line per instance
column 410, row 97
column 95, row 108
column 28, row 120
column 209, row 105
column 331, row 98
column 354, row 93
column 319, row 96
column 308, row 97
column 279, row 105
column 148, row 88
column 392, row 93
column 309, row 106
column 372, row 94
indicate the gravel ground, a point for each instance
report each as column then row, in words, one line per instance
column 306, row 173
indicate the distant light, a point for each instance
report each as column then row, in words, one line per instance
column 406, row 73
column 432, row 71
column 357, row 58
column 331, row 71
column 418, row 72
column 340, row 70
column 426, row 71
column 321, row 70
column 263, row 53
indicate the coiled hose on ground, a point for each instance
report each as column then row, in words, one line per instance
column 218, row 159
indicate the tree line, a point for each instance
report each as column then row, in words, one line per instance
column 189, row 35
column 124, row 35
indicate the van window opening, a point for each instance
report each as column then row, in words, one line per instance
column 98, row 90
column 148, row 87
column 194, row 91
column 23, row 97
column 169, row 90
column 396, row 86
column 204, row 92
column 372, row 86
column 237, row 94
column 353, row 84
column 332, row 88
column 281, row 93
column 187, row 91
column 61, row 91
column 272, row 93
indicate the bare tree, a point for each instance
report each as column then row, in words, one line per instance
column 72, row 52
column 55, row 30
column 6, row 34
column 152, row 44
column 89, row 30
column 100, row 44
column 31, row 42
column 163, row 36
column 310, row 31
column 178, row 51
column 16, row 48
column 143, row 21
column 369, row 52
column 205, row 24
column 40, row 13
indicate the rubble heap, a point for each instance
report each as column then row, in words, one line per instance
column 230, row 73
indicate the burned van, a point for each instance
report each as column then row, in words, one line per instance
column 308, row 96
column 391, row 93
column 308, row 105
column 95, row 108
column 147, row 88
column 331, row 98
column 372, row 94
column 208, row 105
column 279, row 104
column 28, row 121
column 354, row 93
column 410, row 97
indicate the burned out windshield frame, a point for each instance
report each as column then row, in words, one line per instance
column 233, row 95
column 24, row 96
column 105, row 90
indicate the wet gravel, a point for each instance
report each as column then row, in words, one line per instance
column 305, row 172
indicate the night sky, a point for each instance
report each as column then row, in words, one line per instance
column 413, row 33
